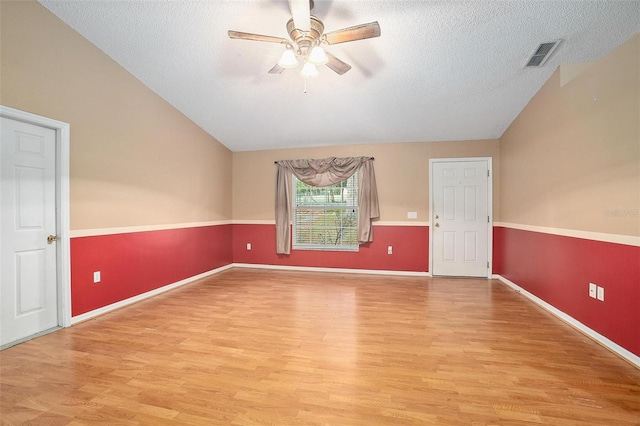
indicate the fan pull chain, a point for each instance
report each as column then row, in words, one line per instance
column 305, row 85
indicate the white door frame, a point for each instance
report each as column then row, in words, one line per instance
column 63, row 251
column 489, row 207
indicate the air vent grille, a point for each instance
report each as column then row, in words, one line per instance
column 541, row 54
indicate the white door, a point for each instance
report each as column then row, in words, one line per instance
column 28, row 287
column 460, row 219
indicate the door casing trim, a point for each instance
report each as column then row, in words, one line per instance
column 489, row 207
column 63, row 247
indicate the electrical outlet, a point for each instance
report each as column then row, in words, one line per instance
column 96, row 277
column 601, row 294
column 390, row 250
column 248, row 246
column 592, row 290
column 412, row 215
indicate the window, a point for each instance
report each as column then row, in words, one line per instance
column 326, row 218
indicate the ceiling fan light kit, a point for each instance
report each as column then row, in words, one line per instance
column 305, row 44
column 318, row 56
column 288, row 59
column 309, row 71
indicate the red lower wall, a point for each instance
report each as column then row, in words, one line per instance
column 134, row 263
column 410, row 250
column 558, row 270
column 554, row 268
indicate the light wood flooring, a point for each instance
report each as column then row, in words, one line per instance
column 259, row 347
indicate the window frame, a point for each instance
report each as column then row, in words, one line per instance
column 295, row 245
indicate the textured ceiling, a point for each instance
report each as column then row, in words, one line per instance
column 441, row 70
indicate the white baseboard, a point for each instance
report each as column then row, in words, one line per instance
column 148, row 294
column 612, row 346
column 341, row 270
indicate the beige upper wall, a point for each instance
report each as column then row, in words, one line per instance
column 135, row 160
column 567, row 161
column 571, row 159
column 402, row 174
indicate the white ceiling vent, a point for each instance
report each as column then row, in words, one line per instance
column 541, row 54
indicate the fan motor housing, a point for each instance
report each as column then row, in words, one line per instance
column 306, row 39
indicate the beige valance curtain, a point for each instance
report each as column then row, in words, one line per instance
column 325, row 172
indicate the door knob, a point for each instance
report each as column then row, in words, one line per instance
column 52, row 238
column 437, row 225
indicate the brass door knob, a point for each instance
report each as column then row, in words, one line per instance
column 437, row 225
column 52, row 238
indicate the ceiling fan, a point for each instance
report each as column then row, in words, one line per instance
column 307, row 35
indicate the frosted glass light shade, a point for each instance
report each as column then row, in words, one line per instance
column 318, row 56
column 309, row 71
column 288, row 59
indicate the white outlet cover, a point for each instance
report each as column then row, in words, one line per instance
column 390, row 250
column 96, row 277
column 412, row 215
column 601, row 293
column 592, row 290
column 248, row 246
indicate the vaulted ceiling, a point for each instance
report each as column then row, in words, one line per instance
column 441, row 70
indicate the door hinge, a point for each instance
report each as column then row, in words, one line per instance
column 488, row 173
column 487, row 265
column 488, row 219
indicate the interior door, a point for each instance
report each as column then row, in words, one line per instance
column 460, row 222
column 28, row 287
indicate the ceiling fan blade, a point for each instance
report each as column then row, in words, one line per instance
column 301, row 14
column 257, row 37
column 337, row 65
column 277, row 69
column 358, row 32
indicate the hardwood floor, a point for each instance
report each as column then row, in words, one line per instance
column 255, row 347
